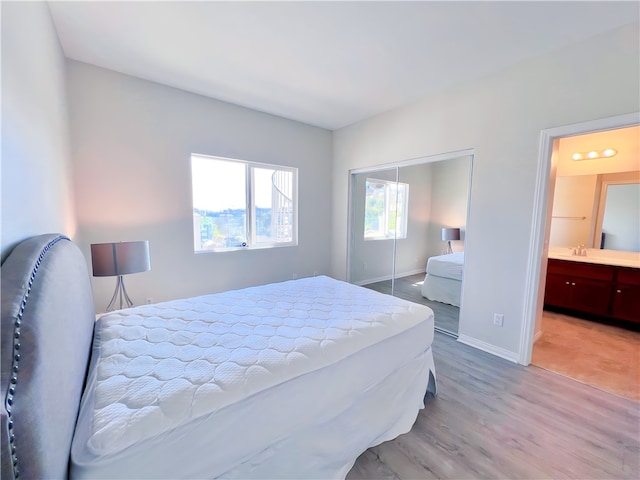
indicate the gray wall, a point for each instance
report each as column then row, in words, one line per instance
column 37, row 194
column 501, row 118
column 131, row 145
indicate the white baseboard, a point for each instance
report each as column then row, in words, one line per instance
column 487, row 347
column 388, row 277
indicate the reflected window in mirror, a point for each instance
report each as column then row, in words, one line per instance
column 385, row 213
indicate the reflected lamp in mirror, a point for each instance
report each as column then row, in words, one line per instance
column 116, row 260
column 449, row 234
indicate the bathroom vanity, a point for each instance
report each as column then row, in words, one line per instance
column 600, row 284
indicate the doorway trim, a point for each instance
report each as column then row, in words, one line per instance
column 539, row 240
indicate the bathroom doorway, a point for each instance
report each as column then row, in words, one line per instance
column 539, row 253
column 588, row 218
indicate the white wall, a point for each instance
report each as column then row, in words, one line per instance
column 37, row 195
column 574, row 202
column 501, row 118
column 131, row 146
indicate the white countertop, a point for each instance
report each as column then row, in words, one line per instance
column 602, row 257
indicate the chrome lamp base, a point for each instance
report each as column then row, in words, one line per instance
column 120, row 294
column 448, row 249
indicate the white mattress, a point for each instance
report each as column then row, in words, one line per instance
column 233, row 383
column 447, row 266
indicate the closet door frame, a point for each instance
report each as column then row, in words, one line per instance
column 389, row 166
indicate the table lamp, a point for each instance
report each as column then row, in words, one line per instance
column 116, row 260
column 449, row 234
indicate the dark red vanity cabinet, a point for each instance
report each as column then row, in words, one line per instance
column 594, row 289
column 626, row 295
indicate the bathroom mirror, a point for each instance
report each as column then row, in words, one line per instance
column 598, row 211
column 618, row 219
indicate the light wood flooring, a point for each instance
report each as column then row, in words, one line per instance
column 493, row 419
column 601, row 355
column 446, row 317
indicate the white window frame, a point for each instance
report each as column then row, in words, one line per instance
column 401, row 228
column 250, row 211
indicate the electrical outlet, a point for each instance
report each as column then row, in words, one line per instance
column 315, row 273
column 498, row 319
column 148, row 300
column 294, row 276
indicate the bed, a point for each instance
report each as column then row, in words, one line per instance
column 288, row 380
column 443, row 280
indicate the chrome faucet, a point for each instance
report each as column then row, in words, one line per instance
column 580, row 251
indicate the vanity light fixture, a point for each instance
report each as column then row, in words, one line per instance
column 593, row 154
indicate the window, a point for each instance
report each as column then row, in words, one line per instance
column 238, row 204
column 385, row 211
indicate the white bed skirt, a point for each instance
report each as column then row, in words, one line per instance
column 440, row 289
column 344, row 436
column 312, row 426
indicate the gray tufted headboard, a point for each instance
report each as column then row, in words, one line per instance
column 47, row 328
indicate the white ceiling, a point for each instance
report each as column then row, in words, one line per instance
column 327, row 64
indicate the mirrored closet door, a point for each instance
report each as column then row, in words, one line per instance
column 373, row 228
column 397, row 217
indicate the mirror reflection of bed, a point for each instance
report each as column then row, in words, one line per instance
column 397, row 216
column 432, row 289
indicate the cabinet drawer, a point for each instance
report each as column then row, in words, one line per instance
column 630, row 276
column 578, row 269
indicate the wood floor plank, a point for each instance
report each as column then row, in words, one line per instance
column 496, row 419
column 370, row 466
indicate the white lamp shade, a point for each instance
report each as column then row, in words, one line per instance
column 450, row 234
column 121, row 258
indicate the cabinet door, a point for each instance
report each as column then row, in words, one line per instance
column 557, row 292
column 590, row 296
column 626, row 303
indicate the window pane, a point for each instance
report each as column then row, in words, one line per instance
column 273, row 191
column 239, row 204
column 399, row 194
column 374, row 210
column 219, row 203
column 385, row 209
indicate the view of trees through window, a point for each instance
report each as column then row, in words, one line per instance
column 239, row 204
column 385, row 209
